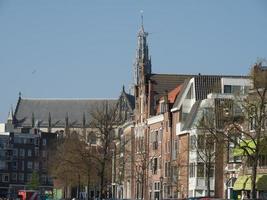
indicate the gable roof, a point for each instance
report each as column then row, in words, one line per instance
column 182, row 91
column 191, row 116
column 56, row 109
column 164, row 83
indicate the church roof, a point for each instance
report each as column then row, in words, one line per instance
column 131, row 100
column 58, row 109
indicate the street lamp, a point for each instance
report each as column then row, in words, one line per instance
column 161, row 194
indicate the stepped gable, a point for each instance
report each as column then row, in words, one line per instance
column 57, row 110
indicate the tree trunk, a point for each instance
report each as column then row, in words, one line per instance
column 102, row 177
column 253, row 178
column 88, row 184
column 208, row 179
column 142, row 188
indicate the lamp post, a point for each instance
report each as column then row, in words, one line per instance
column 161, row 192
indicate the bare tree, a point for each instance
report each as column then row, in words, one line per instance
column 204, row 145
column 104, row 121
column 65, row 161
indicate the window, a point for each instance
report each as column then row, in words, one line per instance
column 5, row 178
column 91, row 138
column 29, row 177
column 21, row 152
column 36, row 165
column 31, row 140
column 236, row 89
column 184, row 116
column 43, row 179
column 29, row 165
column 212, row 171
column 162, row 107
column 15, row 152
column 36, row 141
column 21, row 177
column 44, row 154
column 29, row 153
column 14, row 177
column 155, row 140
column 167, row 169
column 156, row 186
column 227, row 89
column 14, row 165
column 200, row 170
column 44, row 142
column 17, row 140
column 191, row 170
column 155, row 165
column 36, row 152
column 201, row 141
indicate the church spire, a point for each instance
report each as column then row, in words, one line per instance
column 10, row 115
column 142, row 65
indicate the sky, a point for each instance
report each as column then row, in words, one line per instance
column 86, row 48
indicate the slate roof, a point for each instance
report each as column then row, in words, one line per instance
column 163, row 83
column 191, row 116
column 58, row 109
column 131, row 100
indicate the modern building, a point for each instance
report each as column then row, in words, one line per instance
column 22, row 154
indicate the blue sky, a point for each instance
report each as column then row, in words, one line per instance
column 86, row 48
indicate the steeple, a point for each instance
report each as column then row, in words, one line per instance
column 10, row 115
column 142, row 64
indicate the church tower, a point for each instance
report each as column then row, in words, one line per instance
column 142, row 64
column 142, row 72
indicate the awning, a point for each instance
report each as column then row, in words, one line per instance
column 261, row 182
column 240, row 182
column 244, row 182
